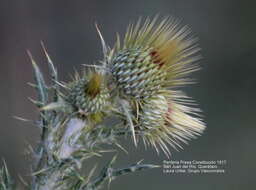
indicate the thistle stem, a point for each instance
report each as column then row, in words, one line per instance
column 59, row 164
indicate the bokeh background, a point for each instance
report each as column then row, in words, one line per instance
column 226, row 88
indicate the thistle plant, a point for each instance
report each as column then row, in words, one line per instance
column 136, row 84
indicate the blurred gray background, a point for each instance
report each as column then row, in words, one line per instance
column 226, row 88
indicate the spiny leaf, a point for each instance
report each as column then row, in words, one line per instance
column 41, row 86
column 134, row 168
column 52, row 68
column 53, row 72
column 109, row 173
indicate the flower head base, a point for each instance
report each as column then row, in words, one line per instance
column 153, row 57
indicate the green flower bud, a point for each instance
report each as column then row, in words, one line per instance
column 89, row 95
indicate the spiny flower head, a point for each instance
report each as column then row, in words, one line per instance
column 169, row 118
column 87, row 97
column 153, row 56
column 89, row 94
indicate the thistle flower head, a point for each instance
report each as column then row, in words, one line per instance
column 166, row 119
column 88, row 94
column 153, row 56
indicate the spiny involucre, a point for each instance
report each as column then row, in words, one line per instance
column 154, row 59
column 86, row 97
column 89, row 95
